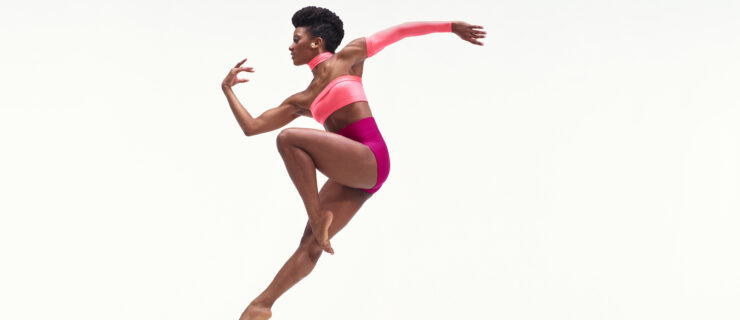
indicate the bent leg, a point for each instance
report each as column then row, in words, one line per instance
column 341, row 159
column 344, row 202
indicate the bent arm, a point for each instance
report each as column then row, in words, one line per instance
column 269, row 120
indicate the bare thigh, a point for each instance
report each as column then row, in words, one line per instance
column 339, row 158
column 342, row 201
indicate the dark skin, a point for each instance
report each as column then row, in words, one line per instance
column 349, row 165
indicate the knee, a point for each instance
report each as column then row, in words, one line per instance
column 284, row 138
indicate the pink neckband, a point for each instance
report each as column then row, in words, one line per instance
column 319, row 59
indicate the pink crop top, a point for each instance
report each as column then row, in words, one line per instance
column 338, row 93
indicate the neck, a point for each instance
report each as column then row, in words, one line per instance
column 319, row 59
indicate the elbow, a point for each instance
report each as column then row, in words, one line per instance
column 251, row 129
column 248, row 131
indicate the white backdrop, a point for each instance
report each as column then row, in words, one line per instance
column 583, row 164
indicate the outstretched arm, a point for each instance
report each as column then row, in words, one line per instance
column 360, row 49
column 380, row 40
column 269, row 120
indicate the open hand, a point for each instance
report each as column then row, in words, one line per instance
column 468, row 32
column 231, row 78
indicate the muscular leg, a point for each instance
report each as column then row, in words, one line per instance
column 344, row 202
column 343, row 160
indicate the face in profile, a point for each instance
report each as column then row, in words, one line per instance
column 301, row 50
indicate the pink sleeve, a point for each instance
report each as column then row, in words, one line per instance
column 380, row 40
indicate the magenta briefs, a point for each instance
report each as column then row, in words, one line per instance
column 366, row 132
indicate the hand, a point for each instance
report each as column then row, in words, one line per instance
column 231, row 78
column 468, row 32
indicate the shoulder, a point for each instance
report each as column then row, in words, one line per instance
column 354, row 52
column 299, row 103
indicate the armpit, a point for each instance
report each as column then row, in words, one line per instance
column 303, row 112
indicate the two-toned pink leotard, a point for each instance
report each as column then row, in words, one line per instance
column 347, row 89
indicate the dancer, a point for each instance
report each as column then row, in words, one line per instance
column 350, row 152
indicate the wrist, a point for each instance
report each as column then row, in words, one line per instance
column 453, row 26
column 225, row 87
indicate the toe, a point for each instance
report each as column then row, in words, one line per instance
column 327, row 247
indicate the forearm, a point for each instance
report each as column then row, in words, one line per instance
column 380, row 40
column 245, row 120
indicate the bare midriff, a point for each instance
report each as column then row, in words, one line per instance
column 346, row 115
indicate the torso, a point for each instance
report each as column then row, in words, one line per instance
column 343, row 116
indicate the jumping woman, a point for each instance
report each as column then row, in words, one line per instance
column 351, row 153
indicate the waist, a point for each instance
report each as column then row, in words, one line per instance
column 363, row 130
column 346, row 115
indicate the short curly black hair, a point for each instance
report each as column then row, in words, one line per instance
column 321, row 22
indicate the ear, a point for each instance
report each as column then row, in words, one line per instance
column 319, row 43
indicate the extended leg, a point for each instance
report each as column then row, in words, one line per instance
column 344, row 202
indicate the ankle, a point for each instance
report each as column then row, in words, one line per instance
column 261, row 303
